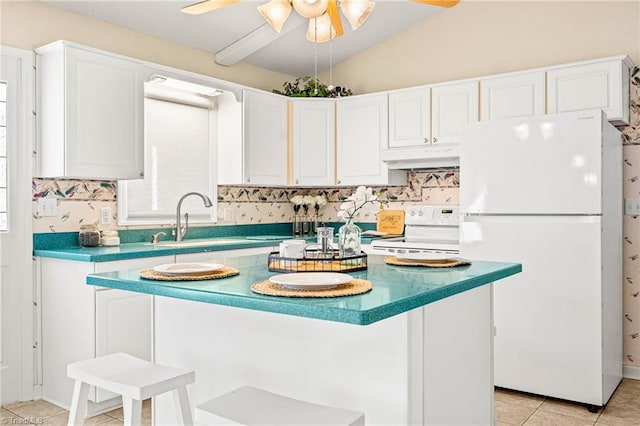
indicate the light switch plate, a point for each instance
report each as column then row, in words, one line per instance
column 632, row 206
column 228, row 214
column 105, row 215
column 47, row 207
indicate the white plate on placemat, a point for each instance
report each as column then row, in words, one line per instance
column 188, row 269
column 424, row 256
column 311, row 280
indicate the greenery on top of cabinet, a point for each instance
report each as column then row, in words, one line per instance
column 308, row 87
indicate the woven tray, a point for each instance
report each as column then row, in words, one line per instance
column 353, row 287
column 227, row 271
column 444, row 263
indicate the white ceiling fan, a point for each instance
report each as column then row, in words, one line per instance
column 324, row 19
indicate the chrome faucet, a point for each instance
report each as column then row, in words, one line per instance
column 180, row 230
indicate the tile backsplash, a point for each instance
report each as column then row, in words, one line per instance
column 80, row 201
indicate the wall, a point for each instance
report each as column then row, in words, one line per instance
column 477, row 38
column 27, row 24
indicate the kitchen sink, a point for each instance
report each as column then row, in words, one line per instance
column 198, row 243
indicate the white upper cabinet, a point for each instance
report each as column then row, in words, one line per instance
column 313, row 123
column 513, row 95
column 600, row 84
column 409, row 117
column 265, row 138
column 452, row 106
column 90, row 113
column 362, row 132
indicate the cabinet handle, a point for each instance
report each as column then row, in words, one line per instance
column 248, row 179
column 141, row 174
column 297, row 181
column 426, row 140
column 435, row 139
column 339, row 181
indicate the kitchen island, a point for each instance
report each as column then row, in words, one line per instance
column 416, row 349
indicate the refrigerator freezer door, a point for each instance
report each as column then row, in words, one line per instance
column 548, row 318
column 533, row 165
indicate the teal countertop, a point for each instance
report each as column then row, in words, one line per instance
column 134, row 243
column 396, row 289
column 138, row 250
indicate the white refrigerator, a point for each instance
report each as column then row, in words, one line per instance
column 546, row 191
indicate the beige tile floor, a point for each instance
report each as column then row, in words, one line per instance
column 512, row 408
column 43, row 413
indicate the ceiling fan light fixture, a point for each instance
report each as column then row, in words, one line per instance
column 356, row 11
column 310, row 8
column 275, row 13
column 320, row 29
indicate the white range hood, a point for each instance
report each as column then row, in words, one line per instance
column 422, row 157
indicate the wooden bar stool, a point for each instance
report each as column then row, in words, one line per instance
column 252, row 406
column 133, row 378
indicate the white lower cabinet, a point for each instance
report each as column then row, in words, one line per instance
column 80, row 321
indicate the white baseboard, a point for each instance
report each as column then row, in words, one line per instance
column 631, row 371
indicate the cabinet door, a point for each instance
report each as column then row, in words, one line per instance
column 123, row 324
column 409, row 117
column 313, row 142
column 453, row 106
column 93, row 124
column 265, row 138
column 362, row 124
column 603, row 85
column 509, row 96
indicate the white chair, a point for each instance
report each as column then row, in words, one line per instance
column 133, row 378
column 252, row 406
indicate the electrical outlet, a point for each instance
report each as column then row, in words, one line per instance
column 632, row 206
column 228, row 214
column 105, row 215
column 47, row 207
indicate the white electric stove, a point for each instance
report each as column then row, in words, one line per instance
column 431, row 232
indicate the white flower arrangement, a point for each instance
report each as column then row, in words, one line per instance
column 356, row 202
column 319, row 201
column 298, row 201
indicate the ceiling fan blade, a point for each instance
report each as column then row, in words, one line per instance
column 332, row 11
column 206, row 6
column 441, row 3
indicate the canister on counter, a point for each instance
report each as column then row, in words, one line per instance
column 89, row 236
column 110, row 238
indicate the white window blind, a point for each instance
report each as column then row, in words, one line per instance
column 179, row 158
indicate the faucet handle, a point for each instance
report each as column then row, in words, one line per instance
column 156, row 237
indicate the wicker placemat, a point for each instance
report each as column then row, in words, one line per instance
column 353, row 287
column 440, row 263
column 225, row 272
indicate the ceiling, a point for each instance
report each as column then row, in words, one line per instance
column 238, row 33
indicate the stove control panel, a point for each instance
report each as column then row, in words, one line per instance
column 432, row 215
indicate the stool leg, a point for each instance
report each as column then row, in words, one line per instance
column 181, row 398
column 78, row 404
column 132, row 411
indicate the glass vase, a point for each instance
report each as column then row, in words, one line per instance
column 349, row 239
column 297, row 225
column 306, row 226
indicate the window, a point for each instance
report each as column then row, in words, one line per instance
column 179, row 158
column 3, row 157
